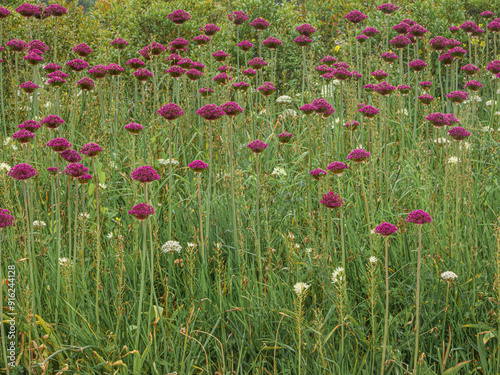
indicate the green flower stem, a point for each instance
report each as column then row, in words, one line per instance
column 417, row 328
column 202, row 238
column 386, row 316
column 58, row 209
column 16, row 88
column 259, row 253
column 238, row 261
column 98, row 236
column 367, row 212
column 141, row 293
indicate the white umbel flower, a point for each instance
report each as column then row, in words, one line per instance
column 441, row 141
column 168, row 161
column 289, row 113
column 64, row 262
column 490, row 102
column 448, row 275
column 338, row 275
column 487, row 129
column 373, row 260
column 171, row 246
column 453, row 160
column 39, row 224
column 4, row 167
column 300, row 288
column 279, row 172
column 284, row 99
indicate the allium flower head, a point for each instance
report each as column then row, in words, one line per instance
column 285, row 137
column 259, row 24
column 328, row 60
column 469, row 69
column 177, row 44
column 384, row 88
column 401, row 28
column 33, row 58
column 468, row 27
column 308, row 109
column 257, row 63
column 57, row 74
column 23, row 136
column 457, row 96
column 75, row 170
column 417, row 30
column 198, row 66
column 82, row 50
column 145, row 53
column 305, row 29
column 98, row 71
column 22, row 172
column 51, row 68
column 404, row 89
column 449, row 276
column 369, row 87
column 400, row 41
column 331, row 200
column 119, row 43
column 237, row 17
column 17, row 45
column 388, row 8
column 220, row 55
column 171, row 247
column 494, row 26
column 4, row 12
column 145, row 174
column 438, row 43
column 175, row 71
column 417, row 65
column 141, row 211
column 91, row 149
column 71, row 156
column 86, row 84
column 198, row 166
column 438, row 119
column 77, row 65
column 170, row 111
column 30, row 125
column 453, row 43
column 457, row 52
column 84, row 178
column 193, row 74
column 452, row 119
column 179, row 17
column 337, row 167
column 389, row 57
column 473, row 85
column 225, row 69
column 493, row 67
column 185, row 63
column 355, row 16
column 426, row 99
column 266, row 89
column 36, row 44
column 28, row 87
column 52, row 121
column 52, row 170
column 211, row 112
column 201, row 40
column 221, row 78
column 257, row 146
column 358, row 155
column 206, row 91
column 446, row 58
column 370, row 32
column 143, row 74
column 351, row 125
column 6, row 219
column 245, row 45
column 114, row 69
column 318, row 174
column 133, row 128
column 59, row 144
column 418, row 217
column 379, row 75
column 386, row 229
column 231, row 108
column 340, row 74
column 368, row 111
column 321, row 105
column 272, row 42
column 210, row 29
column 487, row 14
column 302, row 41
column 458, row 133
column 426, row 85
column 27, row 10
column 454, row 29
column 240, row 86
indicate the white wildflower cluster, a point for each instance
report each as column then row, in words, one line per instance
column 490, row 103
column 4, row 167
column 402, row 111
column 474, row 98
column 86, row 215
column 465, row 146
column 448, row 275
column 171, row 246
column 10, row 142
column 338, row 275
column 373, row 260
column 103, row 186
column 39, row 224
column 309, row 250
column 279, row 172
column 487, row 129
column 191, row 245
column 300, row 288
column 64, row 262
column 168, row 161
column 289, row 113
column 453, row 160
column 284, row 99
column 441, row 141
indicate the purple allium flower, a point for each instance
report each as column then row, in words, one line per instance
column 250, row 73
column 329, row 111
column 323, row 69
column 493, row 67
column 388, row 8
column 170, row 111
column 341, row 64
column 417, row 30
column 85, row 84
column 487, row 14
column 206, row 91
column 209, row 29
column 33, row 58
column 379, row 75
column 201, row 40
column 77, row 65
column 52, row 170
column 36, row 44
column 22, row 172
column 17, row 45
column 446, row 58
column 412, row 38
column 51, row 68
column 197, row 166
column 438, row 43
column 4, row 12
column 386, row 229
column 409, row 22
column 418, row 217
column 458, row 133
column 469, row 69
column 473, row 85
column 356, row 75
column 56, row 81
column 341, row 74
column 177, row 43
column 358, row 155
column 23, row 136
column 27, row 10
column 285, row 137
column 468, row 27
column 193, row 74
column 237, row 17
column 318, row 174
column 231, row 108
column 384, row 88
column 225, row 69
column 369, row 87
column 142, row 211
column 457, row 96
column 478, row 32
column 28, row 87
column 6, row 219
column 52, row 121
column 453, row 43
column 257, row 146
column 368, row 111
column 114, row 69
column 83, row 50
column 417, row 65
column 389, row 57
column 361, row 38
column 259, row 24
column 221, row 78
column 457, row 52
column 331, row 200
column 143, row 74
column 71, row 156
column 175, row 71
column 425, row 99
column 240, row 86
column 91, row 149
column 452, row 119
column 145, row 174
column 305, row 29
column 438, row 119
column 220, row 56
column 308, row 109
column 401, row 28
column 135, row 63
column 30, row 125
column 321, row 105
column 210, row 112
column 302, row 41
column 426, row 85
column 370, row 32
column 400, row 41
column 145, row 53
column 119, row 43
column 454, row 29
column 266, row 89
column 337, row 167
column 257, row 63
column 245, row 45
column 185, row 63
column 98, row 71
column 351, row 125
column 328, row 60
column 133, row 128
column 179, row 17
column 355, row 16
column 84, row 178
column 494, row 26
column 59, row 144
column 272, row 42
column 198, row 66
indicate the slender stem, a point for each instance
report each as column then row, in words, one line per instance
column 141, row 293
column 386, row 317
column 58, row 209
column 16, row 88
column 170, row 180
column 210, row 178
column 202, row 238
column 98, row 235
column 259, row 254
column 233, row 203
column 417, row 328
column 367, row 214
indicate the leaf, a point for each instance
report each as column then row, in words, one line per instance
column 102, row 177
column 488, row 336
column 453, row 370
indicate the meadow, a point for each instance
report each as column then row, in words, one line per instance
column 250, row 188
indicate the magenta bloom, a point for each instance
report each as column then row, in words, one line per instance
column 28, row 87
column 417, row 65
column 17, row 45
column 59, row 144
column 52, row 170
column 266, row 89
column 438, row 43
column 302, row 41
column 355, row 16
column 426, row 85
column 388, row 8
column 198, row 66
column 454, row 29
column 209, row 29
column 400, row 41
column 458, row 133
column 473, row 85
column 52, row 121
column 351, row 125
column 22, row 172
column 494, row 26
column 308, row 109
column 185, row 63
column 175, row 71
column 170, row 111
column 145, row 174
column 193, row 74
column 468, row 27
column 56, row 82
column 328, row 60
column 36, row 44
column 368, row 111
column 114, row 69
column 418, row 217
column 457, row 52
column 493, row 67
column 259, row 24
column 469, row 69
column 85, row 84
column 33, row 58
column 27, row 10
column 237, row 17
column 272, row 42
column 201, row 40
column 453, row 43
column 384, row 88
column 305, row 29
column 331, row 200
column 452, row 119
column 321, row 105
column 379, row 75
column 285, row 137
column 221, row 78
column 220, row 55
column 133, row 128
column 6, row 219
column 71, row 156
column 340, row 73
column 389, row 57
column 119, row 43
column 370, row 32
column 23, row 136
column 417, row 30
column 211, row 112
column 57, row 74
column 457, row 96
column 257, row 63
column 143, row 74
column 318, row 173
column 98, row 71
column 51, row 68
column 75, row 170
column 206, row 91
column 240, row 86
column 487, row 14
column 257, row 146
column 369, row 87
column 142, row 211
column 177, row 43
column 438, row 119
column 77, row 65
column 30, row 125
column 197, row 166
column 91, row 149
column 84, row 178
column 337, row 167
column 145, row 52
column 386, row 229
column 404, row 89
column 358, row 155
column 179, row 17
column 4, row 12
column 323, row 69
column 225, row 69
column 82, row 50
column 446, row 58
column 425, row 99
column 245, row 45
column 231, row 108
column 401, row 28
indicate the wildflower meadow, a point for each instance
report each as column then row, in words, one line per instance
column 250, row 187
